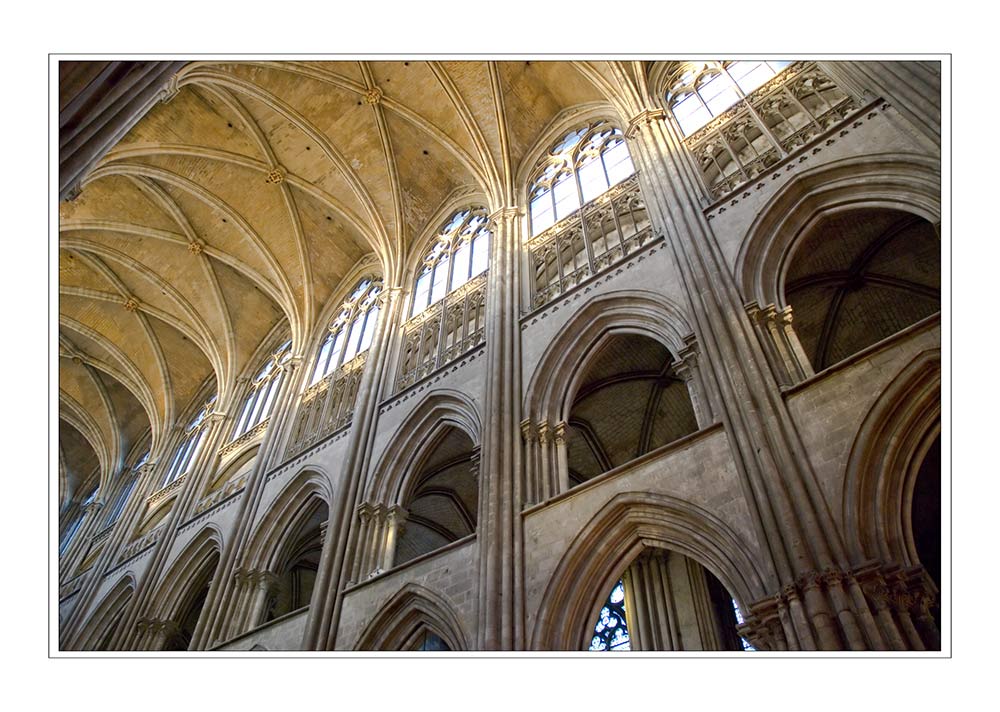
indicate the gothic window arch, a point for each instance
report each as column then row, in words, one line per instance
column 327, row 404
column 76, row 521
column 582, row 165
column 130, row 478
column 263, row 389
column 447, row 313
column 740, row 118
column 461, row 251
column 351, row 332
column 585, row 210
column 706, row 89
column 194, row 438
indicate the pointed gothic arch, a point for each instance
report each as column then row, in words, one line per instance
column 413, row 611
column 550, row 387
column 888, row 451
column 107, row 615
column 614, row 537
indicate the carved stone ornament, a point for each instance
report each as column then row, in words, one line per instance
column 275, row 176
column 644, row 118
column 131, row 304
column 373, row 96
column 195, row 248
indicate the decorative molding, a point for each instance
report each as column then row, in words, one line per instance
column 275, row 176
column 643, row 118
column 131, row 304
column 656, row 244
column 803, row 155
column 164, row 492
column 431, row 378
column 249, row 436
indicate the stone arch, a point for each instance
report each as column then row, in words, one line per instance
column 901, row 181
column 106, row 617
column 436, row 412
column 176, row 587
column 265, row 548
column 623, row 312
column 885, row 459
column 613, row 538
column 413, row 610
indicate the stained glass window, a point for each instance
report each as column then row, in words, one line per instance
column 739, row 621
column 611, row 631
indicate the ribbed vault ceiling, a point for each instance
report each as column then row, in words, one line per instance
column 246, row 200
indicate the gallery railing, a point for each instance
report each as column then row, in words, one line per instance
column 772, row 122
column 602, row 232
column 327, row 405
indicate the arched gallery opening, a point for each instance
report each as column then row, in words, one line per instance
column 443, row 497
column 191, row 608
column 860, row 276
column 629, row 402
column 665, row 601
column 299, row 560
column 925, row 516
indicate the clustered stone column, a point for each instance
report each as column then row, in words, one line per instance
column 781, row 345
column 687, row 369
column 546, row 459
column 668, row 605
column 793, row 524
column 501, row 600
column 379, row 529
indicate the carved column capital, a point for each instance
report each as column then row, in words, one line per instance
column 365, row 511
column 504, row 214
column 560, row 433
column 642, row 119
column 544, row 432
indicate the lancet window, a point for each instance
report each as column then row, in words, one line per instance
column 76, row 521
column 328, row 402
column 741, row 118
column 352, row 331
column 589, row 167
column 130, row 477
column 263, row 389
column 194, row 437
column 447, row 317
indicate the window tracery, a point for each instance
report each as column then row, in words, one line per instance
column 352, row 331
column 611, row 629
column 447, row 317
column 580, row 167
column 194, row 437
column 742, row 118
column 263, row 389
column 589, row 167
column 130, row 477
column 328, row 403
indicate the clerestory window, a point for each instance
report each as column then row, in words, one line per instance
column 352, row 331
column 449, row 296
column 130, row 477
column 582, row 165
column 461, row 251
column 194, row 436
column 263, row 389
column 706, row 89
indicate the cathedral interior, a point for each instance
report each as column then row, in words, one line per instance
column 500, row 355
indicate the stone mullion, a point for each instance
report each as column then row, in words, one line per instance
column 219, row 600
column 499, row 527
column 770, row 457
column 340, row 544
column 913, row 88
